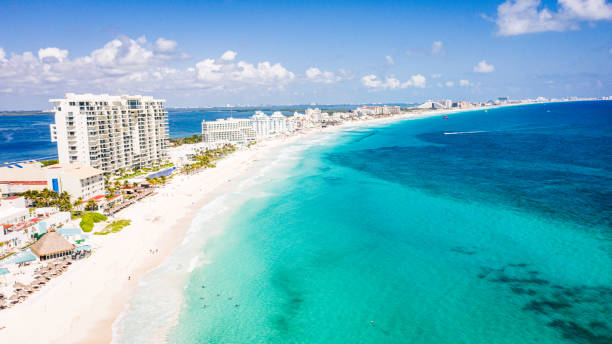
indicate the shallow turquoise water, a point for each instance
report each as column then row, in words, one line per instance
column 402, row 234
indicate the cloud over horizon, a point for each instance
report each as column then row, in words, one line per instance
column 128, row 65
column 373, row 82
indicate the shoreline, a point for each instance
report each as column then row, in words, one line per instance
column 63, row 309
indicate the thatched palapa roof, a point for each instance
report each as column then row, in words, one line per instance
column 51, row 243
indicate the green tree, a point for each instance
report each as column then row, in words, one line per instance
column 78, row 202
column 91, row 205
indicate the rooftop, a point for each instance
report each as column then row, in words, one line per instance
column 78, row 170
column 31, row 173
column 51, row 243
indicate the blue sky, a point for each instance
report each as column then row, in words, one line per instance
column 239, row 52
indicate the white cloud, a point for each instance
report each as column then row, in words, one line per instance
column 314, row 74
column 122, row 51
column 52, row 55
column 464, row 83
column 208, row 70
column 371, row 80
column 437, row 48
column 165, row 45
column 225, row 71
column 417, row 80
column 516, row 17
column 587, row 9
column 449, row 84
column 132, row 65
column 391, row 82
column 263, row 73
column 229, row 55
column 389, row 60
column 483, row 67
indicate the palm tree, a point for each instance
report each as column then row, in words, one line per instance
column 63, row 201
column 91, row 205
column 78, row 202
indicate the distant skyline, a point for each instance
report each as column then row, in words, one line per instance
column 283, row 53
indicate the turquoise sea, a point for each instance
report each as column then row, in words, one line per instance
column 481, row 228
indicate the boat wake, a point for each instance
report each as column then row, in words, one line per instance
column 465, row 132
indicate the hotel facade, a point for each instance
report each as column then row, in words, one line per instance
column 110, row 133
column 78, row 179
column 245, row 130
column 231, row 130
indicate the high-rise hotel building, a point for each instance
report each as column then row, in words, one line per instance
column 110, row 132
column 231, row 130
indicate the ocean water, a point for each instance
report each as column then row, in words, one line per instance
column 25, row 138
column 481, row 228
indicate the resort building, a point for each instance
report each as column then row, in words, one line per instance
column 261, row 124
column 10, row 215
column 55, row 220
column 12, row 227
column 265, row 126
column 18, row 178
column 14, row 202
column 110, row 132
column 391, row 110
column 373, row 110
column 436, row 104
column 278, row 123
column 231, row 130
column 77, row 179
column 313, row 115
column 52, row 245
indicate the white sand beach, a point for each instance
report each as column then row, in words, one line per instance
column 81, row 305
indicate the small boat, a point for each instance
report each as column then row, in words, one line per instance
column 445, row 117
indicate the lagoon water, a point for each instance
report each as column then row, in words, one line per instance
column 482, row 228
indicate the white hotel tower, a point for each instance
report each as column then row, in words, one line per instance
column 110, row 132
column 231, row 130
